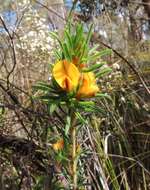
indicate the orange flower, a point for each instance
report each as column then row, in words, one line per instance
column 59, row 145
column 88, row 86
column 66, row 75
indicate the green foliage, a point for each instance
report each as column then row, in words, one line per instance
column 71, row 48
column 75, row 48
column 75, row 44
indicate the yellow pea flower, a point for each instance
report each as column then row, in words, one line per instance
column 88, row 86
column 59, row 145
column 66, row 75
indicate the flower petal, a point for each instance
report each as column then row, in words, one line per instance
column 59, row 145
column 88, row 87
column 66, row 75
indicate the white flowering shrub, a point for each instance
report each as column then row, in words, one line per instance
column 33, row 44
column 34, row 32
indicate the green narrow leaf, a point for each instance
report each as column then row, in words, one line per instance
column 86, row 103
column 98, row 109
column 87, row 106
column 69, row 39
column 85, row 44
column 79, row 116
column 58, row 54
column 52, row 107
column 78, row 35
column 55, row 36
column 93, row 67
column 89, row 34
column 42, row 87
column 101, row 95
column 105, row 52
column 91, row 51
column 66, row 52
column 97, row 55
column 83, row 50
column 68, row 125
column 103, row 72
column 90, row 107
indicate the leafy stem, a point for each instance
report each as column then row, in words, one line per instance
column 74, row 146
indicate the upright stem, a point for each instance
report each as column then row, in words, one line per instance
column 74, row 144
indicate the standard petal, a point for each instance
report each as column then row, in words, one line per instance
column 66, row 75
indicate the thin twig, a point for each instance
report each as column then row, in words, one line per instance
column 13, row 49
column 51, row 10
column 74, row 146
